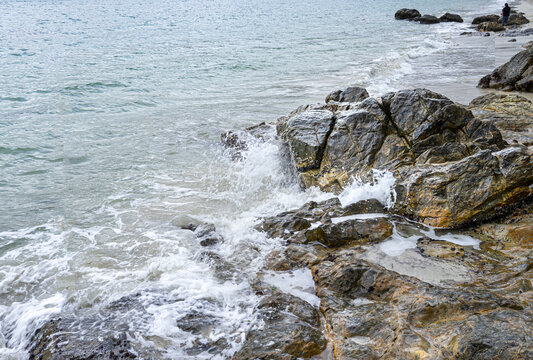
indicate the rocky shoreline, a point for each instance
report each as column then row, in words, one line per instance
column 443, row 271
column 453, row 169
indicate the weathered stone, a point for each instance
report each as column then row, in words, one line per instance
column 286, row 327
column 451, row 18
column 351, row 94
column 485, row 18
column 205, row 233
column 406, row 14
column 306, row 134
column 516, row 74
column 347, row 232
column 374, row 313
column 464, row 191
column 511, row 113
column 490, row 26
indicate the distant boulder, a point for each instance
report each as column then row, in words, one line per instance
column 490, row 26
column 407, row 14
column 485, row 18
column 451, row 18
column 428, row 19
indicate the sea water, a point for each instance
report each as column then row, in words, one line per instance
column 110, row 119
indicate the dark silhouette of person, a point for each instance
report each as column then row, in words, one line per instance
column 506, row 12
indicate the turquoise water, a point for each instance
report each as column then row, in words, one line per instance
column 110, row 118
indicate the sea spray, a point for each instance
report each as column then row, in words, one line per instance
column 381, row 188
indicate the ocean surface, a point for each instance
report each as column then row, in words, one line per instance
column 110, row 121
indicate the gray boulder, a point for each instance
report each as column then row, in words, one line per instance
column 448, row 17
column 351, row 94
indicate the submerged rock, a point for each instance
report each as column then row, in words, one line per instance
column 406, row 14
column 55, row 340
column 516, row 74
column 451, row 18
column 427, row 19
column 206, row 233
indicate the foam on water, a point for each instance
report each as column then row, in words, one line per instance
column 380, row 188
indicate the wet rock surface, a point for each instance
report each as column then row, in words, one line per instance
column 285, row 328
column 372, row 312
column 516, row 74
column 54, row 341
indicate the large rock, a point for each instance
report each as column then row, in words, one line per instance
column 373, row 313
column 485, row 18
column 490, row 26
column 511, row 113
column 516, row 74
column 285, row 328
column 406, row 14
column 418, row 133
column 451, row 18
column 474, row 188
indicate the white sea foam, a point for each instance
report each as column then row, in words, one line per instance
column 337, row 220
column 22, row 319
column 381, row 188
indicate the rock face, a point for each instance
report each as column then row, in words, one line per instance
column 435, row 148
column 485, row 18
column 490, row 26
column 516, row 74
column 373, row 313
column 511, row 113
column 427, row 19
column 406, row 14
column 451, row 18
